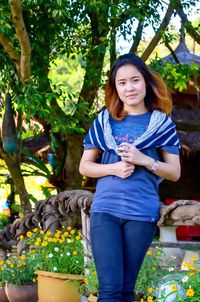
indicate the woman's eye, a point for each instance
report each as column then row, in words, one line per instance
column 121, row 83
column 135, row 80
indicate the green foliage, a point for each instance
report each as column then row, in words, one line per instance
column 150, row 273
column 176, row 76
column 4, row 220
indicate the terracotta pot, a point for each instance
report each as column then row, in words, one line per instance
column 56, row 287
column 3, row 297
column 21, row 293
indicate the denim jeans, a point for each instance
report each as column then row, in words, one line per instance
column 119, row 247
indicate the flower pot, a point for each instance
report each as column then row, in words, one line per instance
column 21, row 293
column 3, row 297
column 56, row 287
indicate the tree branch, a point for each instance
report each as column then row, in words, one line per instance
column 138, row 36
column 14, row 55
column 158, row 34
column 22, row 35
column 187, row 24
column 172, row 52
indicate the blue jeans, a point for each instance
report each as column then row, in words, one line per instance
column 119, row 247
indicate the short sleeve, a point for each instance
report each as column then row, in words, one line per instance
column 170, row 149
column 88, row 146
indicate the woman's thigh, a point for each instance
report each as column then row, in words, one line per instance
column 106, row 241
column 137, row 236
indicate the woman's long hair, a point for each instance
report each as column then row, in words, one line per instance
column 157, row 95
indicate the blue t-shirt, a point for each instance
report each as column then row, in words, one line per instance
column 135, row 197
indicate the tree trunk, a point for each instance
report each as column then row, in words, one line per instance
column 18, row 180
column 70, row 173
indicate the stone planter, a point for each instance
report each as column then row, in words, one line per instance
column 56, row 287
column 172, row 255
column 21, row 293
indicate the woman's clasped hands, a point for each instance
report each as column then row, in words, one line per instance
column 130, row 154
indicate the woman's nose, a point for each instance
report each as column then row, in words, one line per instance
column 130, row 86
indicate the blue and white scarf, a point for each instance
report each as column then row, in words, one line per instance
column 161, row 131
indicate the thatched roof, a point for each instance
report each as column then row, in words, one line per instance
column 182, row 53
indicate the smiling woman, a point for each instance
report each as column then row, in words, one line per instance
column 138, row 146
column 131, row 89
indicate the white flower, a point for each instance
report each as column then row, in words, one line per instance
column 185, row 279
column 50, row 255
column 171, row 269
column 55, row 269
column 68, row 253
column 68, row 240
column 173, row 257
column 56, row 249
column 61, row 255
column 77, row 261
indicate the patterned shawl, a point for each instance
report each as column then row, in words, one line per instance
column 161, row 131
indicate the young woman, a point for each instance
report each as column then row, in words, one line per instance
column 138, row 146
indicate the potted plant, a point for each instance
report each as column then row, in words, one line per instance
column 59, row 263
column 17, row 273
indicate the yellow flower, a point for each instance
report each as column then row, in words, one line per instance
column 150, row 289
column 78, row 237
column 174, row 287
column 72, row 232
column 48, row 233
column 149, row 252
column 74, row 252
column 149, row 299
column 11, row 265
column 50, row 239
column 21, row 237
column 190, row 292
column 44, row 243
column 57, row 235
column 23, row 257
column 191, row 274
column 141, row 300
column 25, row 263
column 36, row 243
column 61, row 240
column 65, row 234
column 35, row 230
column 38, row 239
column 29, row 234
column 2, row 268
column 153, row 268
column 34, row 280
column 194, row 259
column 158, row 252
column 41, row 232
column 69, row 228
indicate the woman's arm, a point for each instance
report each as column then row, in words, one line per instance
column 169, row 169
column 90, row 168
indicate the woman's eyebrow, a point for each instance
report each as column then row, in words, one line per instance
column 134, row 77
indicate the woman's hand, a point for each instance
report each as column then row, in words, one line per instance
column 131, row 154
column 122, row 169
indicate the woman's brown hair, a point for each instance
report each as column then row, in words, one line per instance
column 157, row 95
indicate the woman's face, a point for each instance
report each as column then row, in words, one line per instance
column 131, row 89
